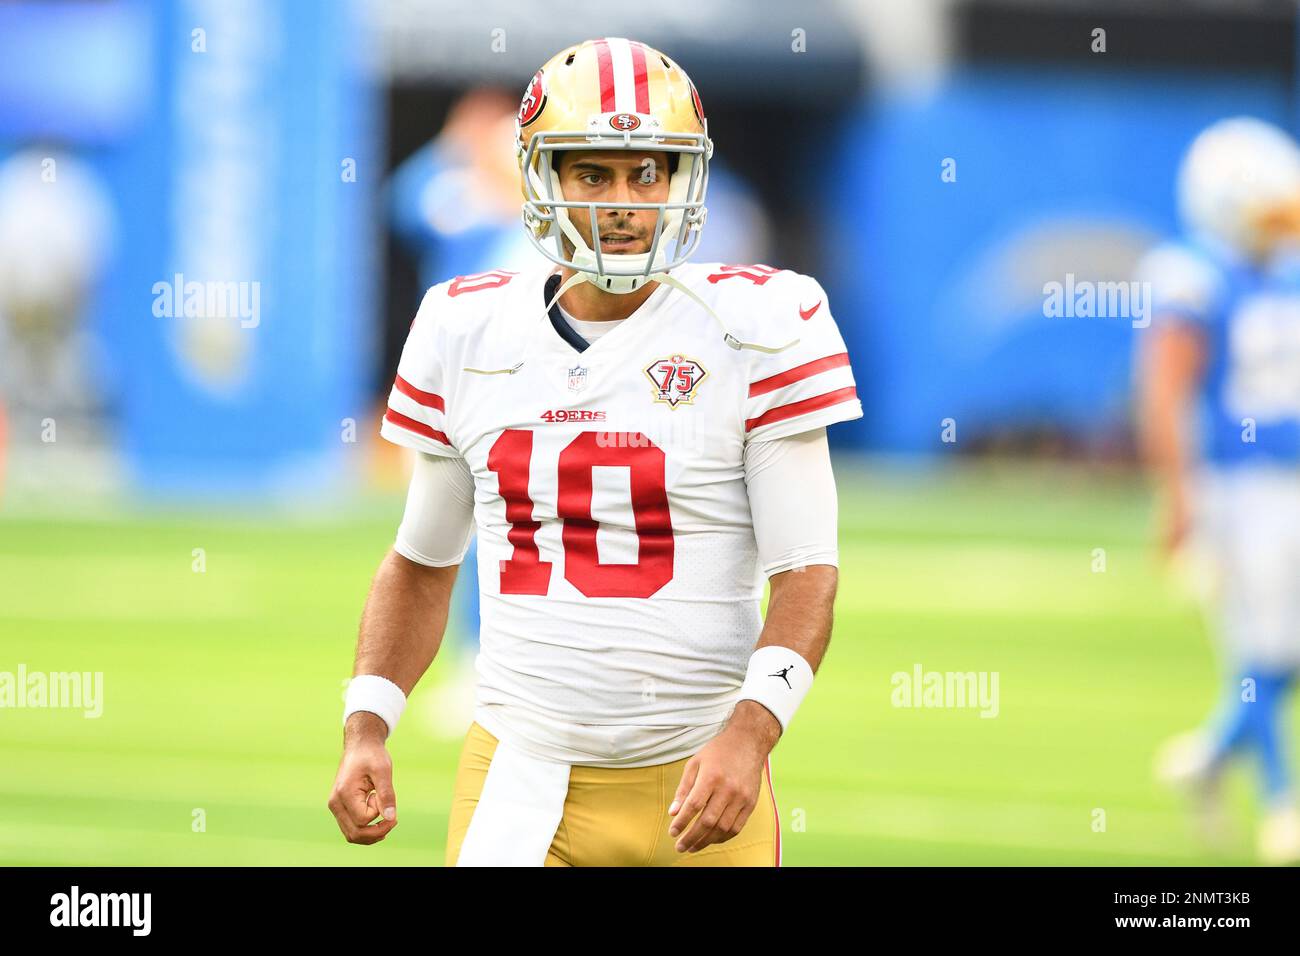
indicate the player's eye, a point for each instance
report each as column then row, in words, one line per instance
column 591, row 179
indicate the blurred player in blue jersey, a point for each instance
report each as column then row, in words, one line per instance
column 1220, row 404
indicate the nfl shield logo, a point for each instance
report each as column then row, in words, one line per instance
column 577, row 378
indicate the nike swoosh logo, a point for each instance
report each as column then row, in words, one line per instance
column 807, row 314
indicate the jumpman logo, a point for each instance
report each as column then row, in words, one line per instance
column 781, row 674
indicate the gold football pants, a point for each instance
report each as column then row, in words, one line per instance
column 618, row 816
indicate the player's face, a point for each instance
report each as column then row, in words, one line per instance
column 1278, row 224
column 615, row 176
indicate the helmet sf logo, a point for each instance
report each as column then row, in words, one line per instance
column 534, row 99
column 625, row 121
column 676, row 379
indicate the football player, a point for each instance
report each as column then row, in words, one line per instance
column 639, row 442
column 1225, row 353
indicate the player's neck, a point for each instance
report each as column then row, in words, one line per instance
column 589, row 304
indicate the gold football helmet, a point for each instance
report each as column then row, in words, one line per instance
column 613, row 93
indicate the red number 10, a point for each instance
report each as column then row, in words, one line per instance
column 525, row 573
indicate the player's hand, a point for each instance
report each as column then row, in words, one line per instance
column 720, row 784
column 363, row 801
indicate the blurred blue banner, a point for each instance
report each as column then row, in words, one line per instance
column 952, row 212
column 241, row 318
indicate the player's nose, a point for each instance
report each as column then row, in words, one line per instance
column 620, row 193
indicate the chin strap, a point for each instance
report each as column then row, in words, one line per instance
column 668, row 280
column 565, row 286
column 494, row 371
column 727, row 335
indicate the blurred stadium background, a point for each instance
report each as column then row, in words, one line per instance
column 193, row 505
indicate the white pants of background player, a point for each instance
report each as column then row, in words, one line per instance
column 1248, row 535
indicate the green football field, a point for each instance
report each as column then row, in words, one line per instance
column 220, row 735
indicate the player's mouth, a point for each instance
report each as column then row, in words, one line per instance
column 618, row 242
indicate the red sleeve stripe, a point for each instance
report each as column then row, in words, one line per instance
column 420, row 428
column 795, row 409
column 427, row 399
column 798, row 373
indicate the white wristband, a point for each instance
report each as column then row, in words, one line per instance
column 375, row 695
column 778, row 678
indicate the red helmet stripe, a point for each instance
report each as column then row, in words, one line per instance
column 605, row 62
column 639, row 76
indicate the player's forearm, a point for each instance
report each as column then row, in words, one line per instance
column 404, row 620
column 799, row 616
column 800, row 611
column 1163, row 446
column 1170, row 372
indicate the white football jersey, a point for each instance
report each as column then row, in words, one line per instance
column 620, row 588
